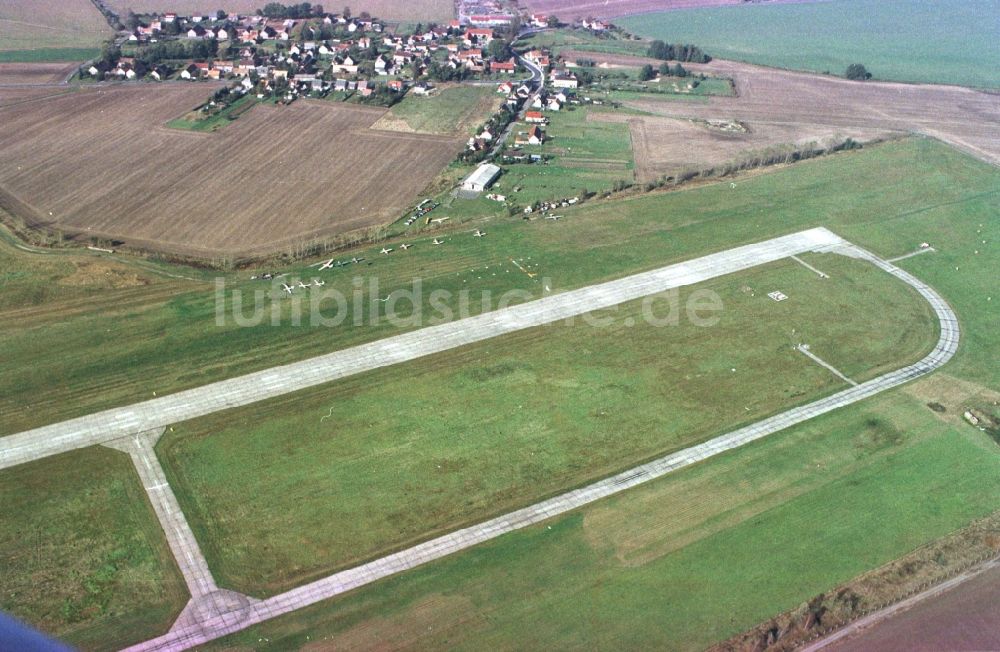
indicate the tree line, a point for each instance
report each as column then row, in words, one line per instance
column 301, row 10
column 677, row 52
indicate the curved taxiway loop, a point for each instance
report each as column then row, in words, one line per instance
column 188, row 636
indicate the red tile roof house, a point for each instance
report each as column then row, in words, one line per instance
column 507, row 67
column 534, row 117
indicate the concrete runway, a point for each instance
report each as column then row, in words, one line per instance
column 158, row 413
column 213, row 613
column 184, row 637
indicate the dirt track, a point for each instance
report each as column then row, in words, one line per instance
column 100, row 162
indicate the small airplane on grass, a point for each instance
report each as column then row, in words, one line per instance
column 437, row 242
column 318, row 283
column 386, row 251
column 440, row 220
column 304, row 286
column 405, row 246
column 479, row 234
column 326, row 264
column 287, row 288
column 552, row 217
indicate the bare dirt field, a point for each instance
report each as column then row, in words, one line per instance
column 964, row 618
column 664, row 146
column 413, row 10
column 33, row 24
column 804, row 103
column 20, row 74
column 570, row 9
column 100, row 163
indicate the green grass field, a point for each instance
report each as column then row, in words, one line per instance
column 49, row 55
column 122, row 345
column 582, row 39
column 687, row 560
column 949, row 42
column 586, row 156
column 451, row 110
column 358, row 468
column 82, row 556
column 813, row 506
column 198, row 121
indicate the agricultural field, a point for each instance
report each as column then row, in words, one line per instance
column 712, row 550
column 392, row 10
column 569, row 10
column 276, row 177
column 41, row 30
column 582, row 40
column 807, row 501
column 948, row 42
column 669, row 146
column 81, row 554
column 554, row 407
column 453, row 110
column 34, row 73
column 64, row 364
column 769, row 99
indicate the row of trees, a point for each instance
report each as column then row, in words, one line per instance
column 166, row 50
column 677, row 52
column 301, row 10
column 647, row 72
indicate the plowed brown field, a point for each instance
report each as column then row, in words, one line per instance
column 569, row 9
column 664, row 146
column 440, row 10
column 100, row 162
column 783, row 107
column 34, row 73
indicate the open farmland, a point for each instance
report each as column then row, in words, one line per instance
column 860, row 513
column 768, row 98
column 568, row 10
column 948, row 42
column 101, row 163
column 393, row 10
column 452, row 110
column 34, row 73
column 711, row 550
column 34, row 30
column 667, row 146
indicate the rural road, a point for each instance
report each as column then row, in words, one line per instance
column 183, row 637
column 213, row 613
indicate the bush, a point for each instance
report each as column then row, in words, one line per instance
column 857, row 72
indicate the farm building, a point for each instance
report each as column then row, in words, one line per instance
column 481, row 179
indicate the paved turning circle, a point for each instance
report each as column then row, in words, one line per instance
column 214, row 613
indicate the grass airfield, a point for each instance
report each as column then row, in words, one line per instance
column 786, row 517
column 290, row 490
